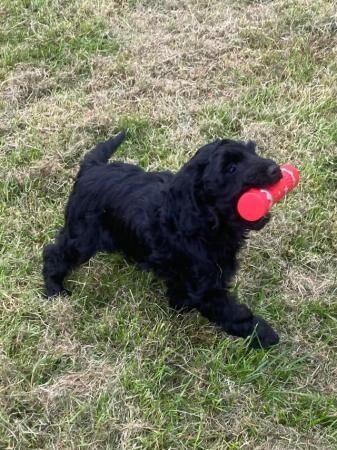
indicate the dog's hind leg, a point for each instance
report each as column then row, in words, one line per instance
column 72, row 247
column 59, row 259
column 57, row 262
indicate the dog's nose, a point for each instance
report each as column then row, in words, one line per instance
column 273, row 171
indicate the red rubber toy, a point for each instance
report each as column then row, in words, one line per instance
column 256, row 203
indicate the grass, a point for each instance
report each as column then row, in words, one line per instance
column 113, row 366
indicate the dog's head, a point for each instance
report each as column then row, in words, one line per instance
column 223, row 171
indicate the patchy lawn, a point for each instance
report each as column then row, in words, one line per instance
column 113, row 367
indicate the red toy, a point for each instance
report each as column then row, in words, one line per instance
column 255, row 203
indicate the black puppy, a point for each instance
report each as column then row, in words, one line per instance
column 182, row 226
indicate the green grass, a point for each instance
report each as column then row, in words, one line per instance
column 113, row 367
column 43, row 32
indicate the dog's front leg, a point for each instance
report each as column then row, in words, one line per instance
column 236, row 319
column 221, row 308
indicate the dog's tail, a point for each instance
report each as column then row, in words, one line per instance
column 103, row 151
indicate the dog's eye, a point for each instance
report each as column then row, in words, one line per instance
column 231, row 168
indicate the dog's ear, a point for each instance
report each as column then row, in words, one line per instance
column 204, row 152
column 186, row 191
column 251, row 146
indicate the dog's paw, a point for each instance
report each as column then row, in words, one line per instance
column 264, row 336
column 56, row 292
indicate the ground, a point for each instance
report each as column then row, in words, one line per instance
column 113, row 367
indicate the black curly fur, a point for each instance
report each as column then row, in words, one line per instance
column 184, row 226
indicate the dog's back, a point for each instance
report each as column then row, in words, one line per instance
column 114, row 186
column 120, row 198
